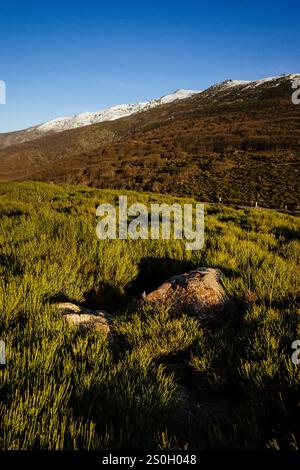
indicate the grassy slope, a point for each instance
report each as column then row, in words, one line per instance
column 65, row 390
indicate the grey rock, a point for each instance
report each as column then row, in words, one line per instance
column 198, row 293
column 83, row 318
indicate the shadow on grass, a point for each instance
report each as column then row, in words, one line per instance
column 155, row 271
column 152, row 273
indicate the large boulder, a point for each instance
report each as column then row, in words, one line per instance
column 198, row 293
column 83, row 318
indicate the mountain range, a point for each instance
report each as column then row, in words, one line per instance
column 238, row 141
column 87, row 118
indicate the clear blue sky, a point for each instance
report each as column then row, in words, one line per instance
column 63, row 57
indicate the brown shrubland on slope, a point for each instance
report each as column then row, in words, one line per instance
column 240, row 143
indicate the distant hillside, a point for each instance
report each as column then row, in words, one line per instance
column 239, row 141
column 85, row 119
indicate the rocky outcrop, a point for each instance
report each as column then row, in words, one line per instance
column 198, row 293
column 84, row 319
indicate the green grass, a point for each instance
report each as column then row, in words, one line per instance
column 62, row 389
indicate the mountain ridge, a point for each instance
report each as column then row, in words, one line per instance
column 61, row 124
column 236, row 141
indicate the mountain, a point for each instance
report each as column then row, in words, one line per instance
column 85, row 119
column 237, row 140
column 111, row 114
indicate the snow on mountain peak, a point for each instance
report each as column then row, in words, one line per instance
column 111, row 114
column 256, row 83
column 179, row 94
column 120, row 111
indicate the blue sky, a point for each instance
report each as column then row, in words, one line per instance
column 62, row 58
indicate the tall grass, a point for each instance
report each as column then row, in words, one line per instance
column 63, row 389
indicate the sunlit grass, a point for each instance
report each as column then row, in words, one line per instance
column 67, row 390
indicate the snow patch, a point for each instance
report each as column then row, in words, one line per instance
column 111, row 114
column 256, row 83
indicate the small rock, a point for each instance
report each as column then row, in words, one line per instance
column 197, row 293
column 84, row 318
